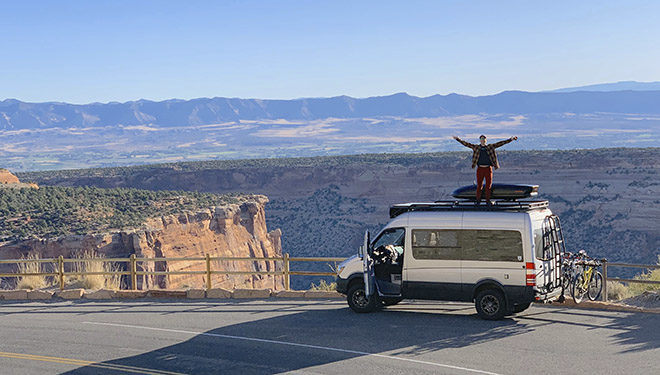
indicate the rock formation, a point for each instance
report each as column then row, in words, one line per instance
column 8, row 180
column 7, row 177
column 234, row 230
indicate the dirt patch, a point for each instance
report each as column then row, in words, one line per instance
column 649, row 300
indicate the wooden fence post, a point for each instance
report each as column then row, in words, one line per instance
column 209, row 285
column 133, row 267
column 287, row 281
column 60, row 270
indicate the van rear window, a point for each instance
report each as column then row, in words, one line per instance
column 468, row 244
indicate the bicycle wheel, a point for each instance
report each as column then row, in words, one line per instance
column 595, row 286
column 578, row 289
column 566, row 281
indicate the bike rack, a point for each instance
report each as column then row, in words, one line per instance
column 553, row 239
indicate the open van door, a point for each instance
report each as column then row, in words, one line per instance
column 367, row 267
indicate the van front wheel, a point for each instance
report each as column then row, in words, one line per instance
column 490, row 304
column 358, row 300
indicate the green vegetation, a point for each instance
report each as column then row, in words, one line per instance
column 57, row 211
column 638, row 156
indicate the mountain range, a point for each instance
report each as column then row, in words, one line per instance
column 615, row 86
column 46, row 136
column 15, row 115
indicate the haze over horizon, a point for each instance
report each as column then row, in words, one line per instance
column 598, row 87
column 82, row 52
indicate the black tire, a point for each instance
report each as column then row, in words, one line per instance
column 358, row 301
column 520, row 308
column 490, row 304
column 595, row 286
column 390, row 301
column 578, row 291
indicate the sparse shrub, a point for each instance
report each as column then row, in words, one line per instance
column 31, row 282
column 616, row 291
column 637, row 289
column 323, row 286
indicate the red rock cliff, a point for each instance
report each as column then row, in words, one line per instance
column 234, row 230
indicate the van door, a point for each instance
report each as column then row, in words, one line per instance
column 432, row 264
column 367, row 267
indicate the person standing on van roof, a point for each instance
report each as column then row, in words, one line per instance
column 485, row 159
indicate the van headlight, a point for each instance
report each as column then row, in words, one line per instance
column 340, row 268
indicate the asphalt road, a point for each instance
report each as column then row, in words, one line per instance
column 318, row 337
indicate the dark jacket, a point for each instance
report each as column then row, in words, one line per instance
column 490, row 148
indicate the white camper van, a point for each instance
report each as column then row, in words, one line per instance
column 501, row 257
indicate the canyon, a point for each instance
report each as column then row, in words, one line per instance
column 607, row 199
column 229, row 230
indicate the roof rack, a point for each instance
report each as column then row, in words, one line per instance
column 466, row 205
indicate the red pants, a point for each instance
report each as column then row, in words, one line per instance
column 487, row 173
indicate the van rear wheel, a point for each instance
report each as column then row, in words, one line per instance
column 490, row 304
column 520, row 308
column 358, row 300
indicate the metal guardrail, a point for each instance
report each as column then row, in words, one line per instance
column 132, row 262
column 607, row 264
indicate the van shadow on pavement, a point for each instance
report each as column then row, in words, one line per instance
column 393, row 331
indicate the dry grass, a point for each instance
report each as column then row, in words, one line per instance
column 90, row 261
column 617, row 291
column 323, row 286
column 637, row 289
column 32, row 282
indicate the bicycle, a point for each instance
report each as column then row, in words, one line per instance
column 568, row 270
column 589, row 281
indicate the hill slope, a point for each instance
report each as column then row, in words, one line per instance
column 58, row 211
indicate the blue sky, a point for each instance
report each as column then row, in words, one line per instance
column 86, row 51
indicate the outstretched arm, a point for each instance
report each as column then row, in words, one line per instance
column 502, row 143
column 466, row 144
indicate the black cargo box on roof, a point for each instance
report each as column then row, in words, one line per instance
column 498, row 191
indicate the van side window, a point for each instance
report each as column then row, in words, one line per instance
column 492, row 245
column 483, row 245
column 435, row 244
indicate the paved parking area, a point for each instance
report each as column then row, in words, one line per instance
column 318, row 337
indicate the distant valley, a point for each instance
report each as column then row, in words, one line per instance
column 48, row 136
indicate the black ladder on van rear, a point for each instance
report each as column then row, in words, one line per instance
column 553, row 249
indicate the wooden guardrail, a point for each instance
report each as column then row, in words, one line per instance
column 132, row 269
column 607, row 264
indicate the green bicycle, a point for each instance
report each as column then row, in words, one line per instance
column 588, row 282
